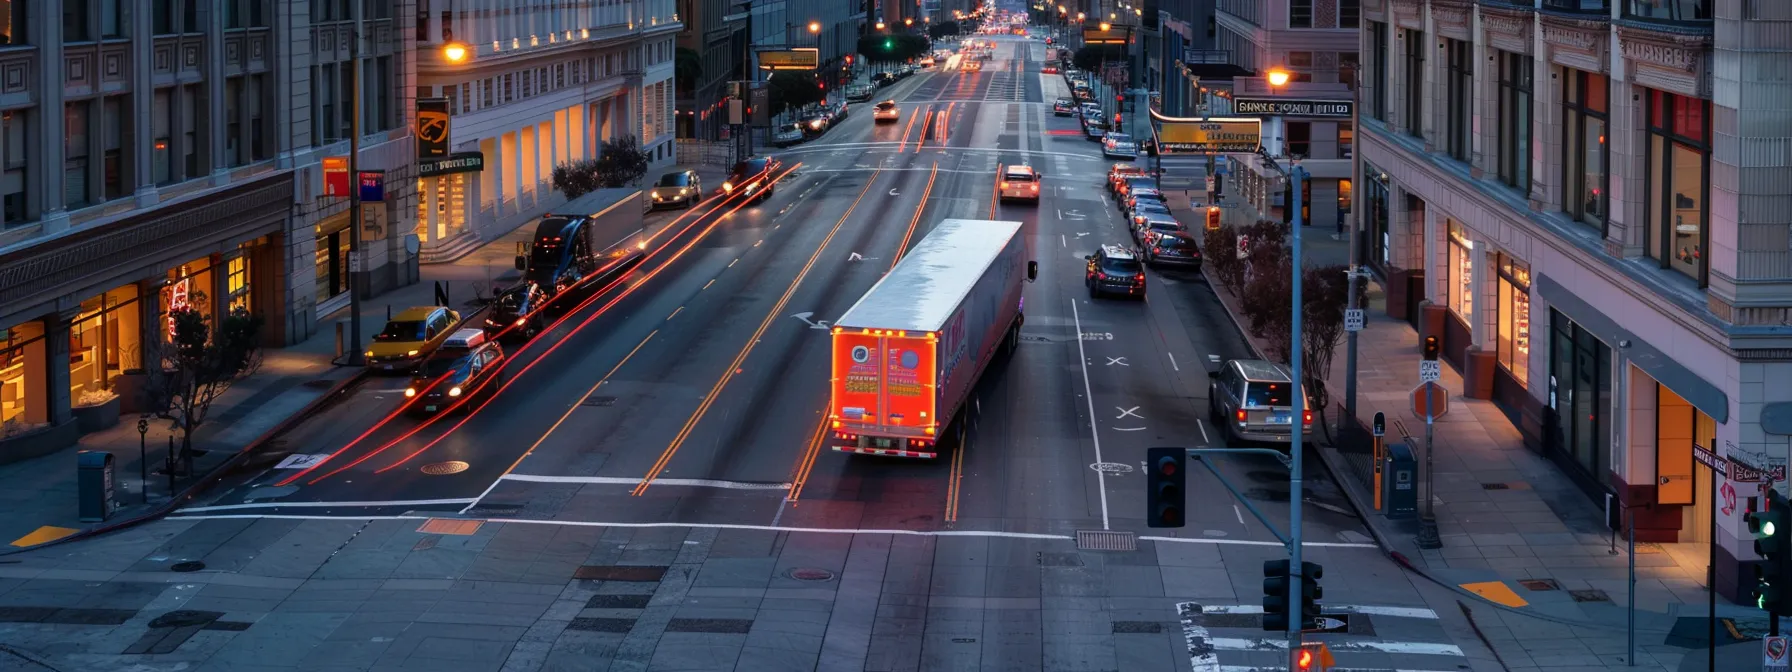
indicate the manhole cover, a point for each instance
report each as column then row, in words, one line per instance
column 1099, row 540
column 1112, row 467
column 1540, row 584
column 595, row 400
column 188, row 566
column 444, row 468
column 811, row 574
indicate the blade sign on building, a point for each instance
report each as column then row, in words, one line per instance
column 790, row 59
column 432, row 128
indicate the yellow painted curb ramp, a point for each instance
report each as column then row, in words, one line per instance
column 1496, row 592
column 43, row 535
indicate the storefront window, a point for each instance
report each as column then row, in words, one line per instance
column 186, row 288
column 1678, row 182
column 1580, row 392
column 1584, row 148
column 104, row 340
column 332, row 258
column 1377, row 216
column 237, row 281
column 1462, row 277
column 1515, row 318
column 441, row 208
column 22, row 369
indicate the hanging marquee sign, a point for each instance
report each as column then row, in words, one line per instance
column 790, row 59
column 458, row 162
column 1217, row 135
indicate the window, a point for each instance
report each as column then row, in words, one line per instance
column 1669, row 10
column 1300, row 13
column 162, row 17
column 1415, row 82
column 1584, row 149
column 113, row 18
column 233, row 13
column 1300, row 138
column 1597, row 6
column 12, row 21
column 1462, row 272
column 448, row 26
column 161, row 157
column 233, row 121
column 12, row 180
column 1677, row 182
column 74, row 21
column 252, row 101
column 75, row 140
column 1300, row 59
column 1460, row 92
column 1515, row 120
column 1515, row 318
column 1350, row 13
column 258, row 17
column 1378, row 70
column 189, row 125
column 1347, row 68
column 486, row 93
column 112, row 122
column 189, row 16
column 1346, row 140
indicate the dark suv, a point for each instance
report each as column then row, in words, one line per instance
column 465, row 367
column 752, row 177
column 1114, row 270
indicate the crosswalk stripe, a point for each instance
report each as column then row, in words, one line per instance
column 1277, row 668
column 1370, row 610
column 1344, row 646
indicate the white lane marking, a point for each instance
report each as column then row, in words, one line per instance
column 1129, row 429
column 1203, row 427
column 1120, row 361
column 1352, row 646
column 1124, row 412
column 1246, row 542
column 1173, row 361
column 1238, row 512
column 619, row 480
column 1254, row 668
column 1063, row 241
column 701, row 526
column 1201, row 656
column 1367, row 609
column 1082, row 358
column 325, row 505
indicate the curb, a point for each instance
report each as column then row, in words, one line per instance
column 1356, row 502
column 214, row 475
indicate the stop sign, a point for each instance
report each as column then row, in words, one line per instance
column 1433, row 394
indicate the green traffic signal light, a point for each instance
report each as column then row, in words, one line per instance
column 889, row 43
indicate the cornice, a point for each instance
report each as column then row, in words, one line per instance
column 1674, row 51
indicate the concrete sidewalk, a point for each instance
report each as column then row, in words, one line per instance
column 1518, row 536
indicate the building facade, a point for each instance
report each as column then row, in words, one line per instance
column 717, row 40
column 1585, row 168
column 167, row 155
column 785, row 24
column 547, row 82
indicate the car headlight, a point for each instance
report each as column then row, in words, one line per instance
column 683, row 190
column 727, row 186
column 655, row 193
column 521, row 320
column 410, row 392
column 369, row 353
column 454, row 391
column 412, row 353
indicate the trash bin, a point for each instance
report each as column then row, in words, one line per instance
column 94, row 485
column 1400, row 482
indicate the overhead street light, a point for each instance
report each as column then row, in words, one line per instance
column 1278, row 78
column 814, row 27
column 456, row 52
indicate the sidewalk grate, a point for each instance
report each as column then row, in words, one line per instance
column 1138, row 627
column 1101, row 540
column 1540, row 585
column 613, row 625
column 1590, row 595
column 452, row 526
column 639, row 573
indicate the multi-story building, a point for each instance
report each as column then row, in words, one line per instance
column 899, row 14
column 785, row 24
column 171, row 157
column 1315, row 43
column 1603, row 171
column 547, row 82
column 718, row 40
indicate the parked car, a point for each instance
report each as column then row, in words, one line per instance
column 1151, row 224
column 1137, row 196
column 1119, row 146
column 1063, row 107
column 1121, row 171
column 410, row 336
column 465, row 368
column 788, row 134
column 859, row 93
column 883, row 79
column 1147, row 207
column 837, row 111
column 1252, row 400
column 1126, row 183
column 1095, row 128
column 1114, row 270
column 1173, row 250
column 681, row 188
column 814, row 123
column 886, row 111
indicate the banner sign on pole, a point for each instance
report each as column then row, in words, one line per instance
column 336, row 176
column 432, row 128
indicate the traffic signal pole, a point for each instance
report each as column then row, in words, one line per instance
column 1296, row 423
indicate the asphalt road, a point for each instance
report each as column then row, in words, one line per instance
column 693, row 391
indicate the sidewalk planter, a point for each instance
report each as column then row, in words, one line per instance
column 97, row 417
column 1406, row 288
column 39, row 442
column 1477, row 373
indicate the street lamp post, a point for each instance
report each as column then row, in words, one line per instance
column 356, row 264
column 1297, row 175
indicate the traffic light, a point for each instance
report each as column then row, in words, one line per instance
column 1165, row 495
column 1773, row 574
column 1310, row 594
column 1275, row 595
column 1432, row 346
column 889, row 44
column 1213, row 218
column 1304, row 659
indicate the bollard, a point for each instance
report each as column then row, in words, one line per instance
column 143, row 454
column 339, row 339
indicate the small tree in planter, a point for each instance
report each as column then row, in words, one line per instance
column 621, row 163
column 1325, row 292
column 576, row 178
column 198, row 364
column 1222, row 256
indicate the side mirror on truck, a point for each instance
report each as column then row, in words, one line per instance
column 1032, row 271
column 522, row 263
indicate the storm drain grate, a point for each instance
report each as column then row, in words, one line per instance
column 1137, row 627
column 1495, row 486
column 733, row 626
column 619, row 573
column 1540, row 584
column 1590, row 595
column 452, row 526
column 1245, row 621
column 617, row 625
column 595, row 400
column 1100, row 540
column 618, row 601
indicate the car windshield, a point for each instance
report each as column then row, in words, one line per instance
column 1266, row 394
column 1163, row 225
column 1018, row 176
column 675, row 180
column 441, row 364
column 1063, row 101
column 408, row 330
column 1119, row 137
column 1120, row 266
column 512, row 301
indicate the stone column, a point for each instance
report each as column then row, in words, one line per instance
column 142, row 104
column 211, row 20
column 56, row 374
column 46, row 31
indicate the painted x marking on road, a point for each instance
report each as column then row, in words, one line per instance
column 1134, row 412
column 1121, row 361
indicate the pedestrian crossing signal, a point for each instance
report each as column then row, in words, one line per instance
column 1314, row 657
column 1213, row 218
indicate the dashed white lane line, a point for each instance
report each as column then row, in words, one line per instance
column 328, row 505
column 1082, row 359
column 618, row 480
column 1343, row 646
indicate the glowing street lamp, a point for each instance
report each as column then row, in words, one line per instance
column 908, row 22
column 1278, row 78
column 880, row 25
column 456, row 52
column 1105, row 26
column 814, row 27
column 1080, row 16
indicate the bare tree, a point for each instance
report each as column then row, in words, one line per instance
column 198, row 363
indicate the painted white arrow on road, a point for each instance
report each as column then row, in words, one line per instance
column 813, row 324
column 893, row 192
column 854, row 256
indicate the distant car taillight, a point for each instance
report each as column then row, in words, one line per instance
column 1241, row 416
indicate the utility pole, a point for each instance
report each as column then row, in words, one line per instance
column 357, row 265
column 1296, row 423
column 1356, row 223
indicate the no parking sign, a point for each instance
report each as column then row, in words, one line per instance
column 1773, row 654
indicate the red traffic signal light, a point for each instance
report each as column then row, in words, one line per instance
column 1119, row 98
column 1431, row 348
column 1304, row 659
column 849, row 59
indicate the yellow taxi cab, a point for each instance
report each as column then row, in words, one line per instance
column 1020, row 182
column 970, row 66
column 465, row 367
column 885, row 111
column 410, row 336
